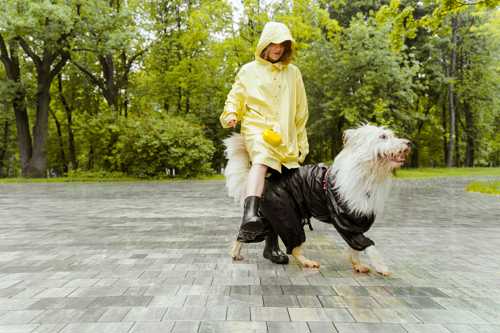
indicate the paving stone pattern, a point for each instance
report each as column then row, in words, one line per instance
column 153, row 257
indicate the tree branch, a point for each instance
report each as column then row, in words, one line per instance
column 36, row 59
column 134, row 58
column 59, row 66
column 91, row 76
column 4, row 54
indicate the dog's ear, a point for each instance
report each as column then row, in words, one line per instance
column 347, row 136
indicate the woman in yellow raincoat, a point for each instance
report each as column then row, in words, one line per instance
column 269, row 99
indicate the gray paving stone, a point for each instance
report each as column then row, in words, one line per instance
column 48, row 328
column 55, row 292
column 448, row 316
column 238, row 313
column 338, row 315
column 17, row 328
column 281, row 301
column 268, row 290
column 363, row 315
column 16, row 304
column 286, row 327
column 308, row 290
column 59, row 316
column 369, row 328
column 92, row 315
column 486, row 328
column 196, row 300
column 97, row 328
column 186, row 327
column 431, row 328
column 62, row 303
column 114, row 314
column 121, row 301
column 249, row 300
column 145, row 314
column 143, row 327
column 19, row 317
column 168, row 301
column 308, row 314
column 321, row 327
column 232, row 326
column 332, row 301
column 215, row 313
column 396, row 316
column 269, row 314
column 309, row 301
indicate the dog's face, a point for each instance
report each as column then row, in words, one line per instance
column 378, row 145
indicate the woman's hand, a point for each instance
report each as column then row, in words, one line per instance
column 232, row 123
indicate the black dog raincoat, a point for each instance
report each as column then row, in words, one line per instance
column 290, row 199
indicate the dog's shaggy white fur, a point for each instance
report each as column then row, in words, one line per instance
column 363, row 177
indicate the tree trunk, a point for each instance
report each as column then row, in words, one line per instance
column 38, row 165
column 5, row 145
column 457, row 158
column 451, row 93
column 10, row 59
column 69, row 118
column 469, row 136
column 62, row 155
column 337, row 143
column 24, row 142
column 444, row 125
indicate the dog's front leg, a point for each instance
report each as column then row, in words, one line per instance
column 356, row 262
column 297, row 254
column 236, row 250
column 377, row 261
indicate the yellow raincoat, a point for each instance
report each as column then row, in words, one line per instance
column 269, row 95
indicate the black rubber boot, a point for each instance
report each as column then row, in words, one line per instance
column 253, row 228
column 272, row 250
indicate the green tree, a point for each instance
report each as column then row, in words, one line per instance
column 44, row 31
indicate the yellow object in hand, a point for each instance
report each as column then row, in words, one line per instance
column 272, row 137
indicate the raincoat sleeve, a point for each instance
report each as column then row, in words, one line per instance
column 235, row 102
column 301, row 119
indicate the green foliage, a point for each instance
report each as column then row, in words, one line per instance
column 446, row 172
column 492, row 187
column 143, row 74
column 144, row 146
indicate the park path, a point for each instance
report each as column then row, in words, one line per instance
column 153, row 257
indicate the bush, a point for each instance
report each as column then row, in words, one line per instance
column 146, row 146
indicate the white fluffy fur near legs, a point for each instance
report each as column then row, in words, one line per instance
column 356, row 262
column 376, row 261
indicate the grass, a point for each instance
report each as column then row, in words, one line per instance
column 492, row 187
column 446, row 172
column 118, row 177
column 102, row 179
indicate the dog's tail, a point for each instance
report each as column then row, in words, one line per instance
column 237, row 168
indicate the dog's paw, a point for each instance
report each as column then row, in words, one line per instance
column 310, row 264
column 384, row 273
column 359, row 268
column 237, row 257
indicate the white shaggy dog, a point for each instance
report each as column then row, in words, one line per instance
column 356, row 186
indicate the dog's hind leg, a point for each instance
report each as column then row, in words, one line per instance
column 297, row 254
column 356, row 262
column 236, row 250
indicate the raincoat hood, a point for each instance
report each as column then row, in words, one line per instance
column 273, row 32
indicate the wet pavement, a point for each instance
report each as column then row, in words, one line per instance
column 153, row 257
